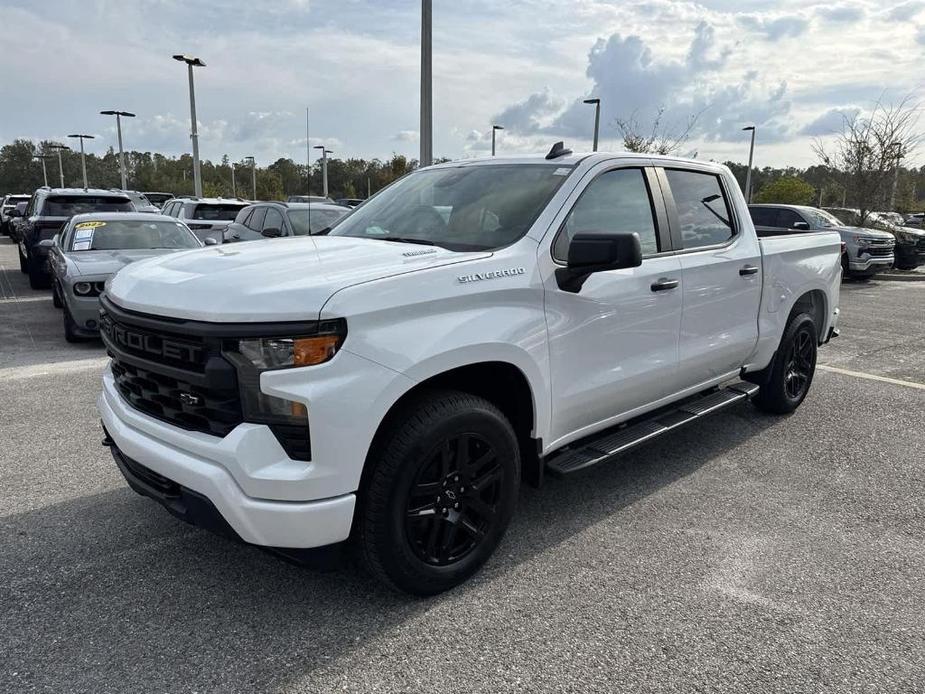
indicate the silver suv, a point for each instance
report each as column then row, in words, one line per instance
column 867, row 251
column 206, row 217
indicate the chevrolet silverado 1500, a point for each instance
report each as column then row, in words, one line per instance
column 474, row 325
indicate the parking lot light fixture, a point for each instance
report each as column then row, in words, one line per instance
column 494, row 129
column 83, row 155
column 41, row 158
column 119, row 116
column 597, row 119
column 192, row 62
column 324, row 167
column 58, row 147
column 751, row 159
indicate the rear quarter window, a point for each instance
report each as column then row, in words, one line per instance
column 703, row 211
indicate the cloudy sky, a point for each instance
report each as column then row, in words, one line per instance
column 792, row 67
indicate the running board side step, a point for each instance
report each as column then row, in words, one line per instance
column 603, row 446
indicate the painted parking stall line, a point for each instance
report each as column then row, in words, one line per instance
column 872, row 377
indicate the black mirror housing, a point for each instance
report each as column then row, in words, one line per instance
column 590, row 253
column 598, row 252
column 801, row 226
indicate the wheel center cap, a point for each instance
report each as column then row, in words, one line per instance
column 451, row 495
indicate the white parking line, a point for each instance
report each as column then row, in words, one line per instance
column 872, row 377
column 15, row 373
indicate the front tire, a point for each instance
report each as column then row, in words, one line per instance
column 792, row 369
column 440, row 494
column 70, row 328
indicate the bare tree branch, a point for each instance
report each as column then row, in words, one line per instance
column 659, row 139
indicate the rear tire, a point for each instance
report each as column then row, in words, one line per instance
column 23, row 267
column 440, row 493
column 56, row 296
column 792, row 369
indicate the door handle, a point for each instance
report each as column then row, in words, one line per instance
column 664, row 284
column 748, row 270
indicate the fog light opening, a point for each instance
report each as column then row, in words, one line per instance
column 91, row 324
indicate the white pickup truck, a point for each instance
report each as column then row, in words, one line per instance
column 472, row 326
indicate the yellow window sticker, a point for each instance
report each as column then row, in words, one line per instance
column 90, row 225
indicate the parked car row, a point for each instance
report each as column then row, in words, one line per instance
column 867, row 250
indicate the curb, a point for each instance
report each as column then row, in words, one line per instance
column 917, row 277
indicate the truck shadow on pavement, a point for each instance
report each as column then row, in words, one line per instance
column 108, row 592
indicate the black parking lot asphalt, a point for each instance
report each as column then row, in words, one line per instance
column 752, row 553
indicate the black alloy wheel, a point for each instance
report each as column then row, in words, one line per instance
column 801, row 362
column 453, row 502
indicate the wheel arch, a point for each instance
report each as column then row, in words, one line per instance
column 500, row 382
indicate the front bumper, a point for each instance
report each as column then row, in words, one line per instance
column 871, row 263
column 259, row 521
column 85, row 311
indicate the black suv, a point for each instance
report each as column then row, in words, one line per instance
column 48, row 211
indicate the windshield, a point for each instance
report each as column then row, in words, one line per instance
column 113, row 234
column 15, row 199
column 821, row 219
column 307, row 221
column 222, row 213
column 463, row 208
column 69, row 205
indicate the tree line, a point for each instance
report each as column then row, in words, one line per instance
column 21, row 172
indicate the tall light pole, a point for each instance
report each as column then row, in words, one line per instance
column 58, row 147
column 192, row 62
column 751, row 158
column 324, row 167
column 41, row 158
column 308, row 155
column 494, row 129
column 597, row 119
column 83, row 156
column 234, row 192
column 427, row 93
column 253, row 175
column 119, row 115
column 898, row 147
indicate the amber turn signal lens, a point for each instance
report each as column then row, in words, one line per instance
column 307, row 351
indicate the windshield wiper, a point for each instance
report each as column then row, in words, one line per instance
column 405, row 239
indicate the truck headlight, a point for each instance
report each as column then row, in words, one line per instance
column 253, row 356
column 862, row 241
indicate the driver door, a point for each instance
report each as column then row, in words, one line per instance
column 613, row 345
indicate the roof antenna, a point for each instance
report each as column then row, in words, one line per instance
column 558, row 150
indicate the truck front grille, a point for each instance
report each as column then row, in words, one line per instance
column 180, row 379
column 880, row 251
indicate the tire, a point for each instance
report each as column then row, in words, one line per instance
column 23, row 267
column 440, row 493
column 56, row 296
column 70, row 328
column 793, row 368
column 38, row 278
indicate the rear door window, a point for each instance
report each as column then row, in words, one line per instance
column 703, row 212
column 274, row 220
column 215, row 212
column 763, row 216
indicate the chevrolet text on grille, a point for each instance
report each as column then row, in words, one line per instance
column 494, row 274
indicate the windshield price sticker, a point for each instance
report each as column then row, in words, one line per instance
column 90, row 225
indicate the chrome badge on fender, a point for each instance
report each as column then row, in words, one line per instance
column 494, row 274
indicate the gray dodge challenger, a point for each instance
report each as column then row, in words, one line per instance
column 93, row 247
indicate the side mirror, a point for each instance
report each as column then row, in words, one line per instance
column 590, row 253
column 272, row 233
column 14, row 212
column 210, row 241
column 800, row 226
column 46, row 243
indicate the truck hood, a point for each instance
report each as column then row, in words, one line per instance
column 867, row 232
column 109, row 262
column 286, row 279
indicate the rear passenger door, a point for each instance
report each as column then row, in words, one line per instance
column 721, row 275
